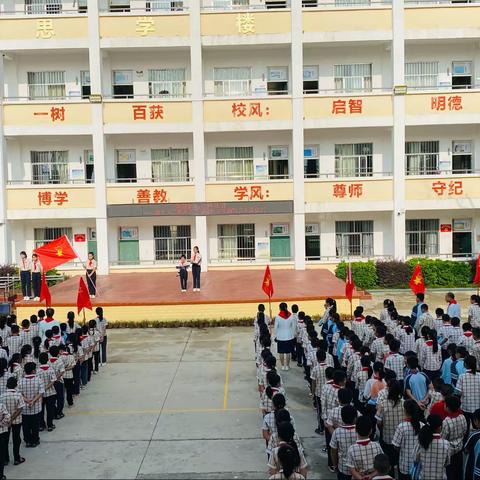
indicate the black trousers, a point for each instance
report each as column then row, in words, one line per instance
column 196, row 272
column 300, row 354
column 455, row 469
column 36, row 283
column 60, row 398
column 68, row 382
column 76, row 378
column 89, row 368
column 49, row 408
column 183, row 279
column 318, row 405
column 92, row 282
column 25, row 280
column 328, row 437
column 3, row 447
column 96, row 360
column 342, row 476
column 103, row 348
column 16, row 439
column 30, row 424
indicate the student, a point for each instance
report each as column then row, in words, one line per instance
column 326, row 321
column 36, row 277
column 382, row 466
column 472, row 450
column 449, row 373
column 417, row 384
column 95, row 337
column 269, row 420
column 379, row 349
column 14, row 342
column 25, row 275
column 196, row 261
column 438, row 321
column 467, row 340
column 182, row 269
column 91, row 274
column 48, row 323
column 34, row 328
column 15, row 366
column 456, row 333
column 334, row 417
column 26, row 334
column 425, row 318
column 437, row 406
column 58, row 367
column 474, row 311
column 300, row 352
column 274, row 387
column 289, row 461
column 32, row 389
column 430, row 358
column 4, row 424
column 285, row 328
column 395, row 361
column 72, row 325
column 77, row 351
column 431, row 450
column 454, row 428
column 453, row 308
column 342, row 439
column 373, row 386
column 469, row 387
column 68, row 361
column 14, row 403
column 405, row 437
column 102, row 325
column 48, row 377
column 416, row 310
column 319, row 378
column 26, row 354
column 5, row 330
column 56, row 336
column 37, row 349
column 361, row 455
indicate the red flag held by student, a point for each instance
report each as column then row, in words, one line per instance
column 349, row 285
column 83, row 297
column 55, row 253
column 267, row 284
column 417, row 282
column 477, row 272
column 45, row 292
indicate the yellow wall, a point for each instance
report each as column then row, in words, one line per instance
column 24, row 114
column 442, row 17
column 449, row 188
column 347, row 20
column 123, row 112
column 432, row 103
column 242, row 191
column 29, row 198
column 60, row 28
column 272, row 109
column 262, row 23
column 154, row 25
column 372, row 191
column 323, row 107
column 120, row 195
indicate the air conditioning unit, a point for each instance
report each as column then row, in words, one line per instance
column 280, row 229
column 312, row 229
column 462, row 147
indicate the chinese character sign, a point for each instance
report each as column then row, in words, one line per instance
column 145, row 25
column 351, row 106
column 342, row 190
column 47, row 198
column 245, row 23
column 150, row 112
column 250, row 192
column 56, row 114
column 249, row 110
column 442, row 103
column 453, row 188
column 45, row 30
column 146, row 196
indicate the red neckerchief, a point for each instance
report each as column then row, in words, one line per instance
column 348, row 427
column 436, row 435
column 82, row 337
column 90, row 263
column 26, row 330
column 375, row 376
column 467, row 334
column 408, row 420
column 329, row 382
column 35, row 265
column 322, row 364
column 429, row 343
column 364, row 443
column 335, row 386
column 364, row 369
column 454, row 414
column 56, row 337
column 49, row 319
column 44, row 367
column 360, row 319
column 64, row 354
column 452, row 302
column 53, row 359
column 284, row 315
column 32, row 375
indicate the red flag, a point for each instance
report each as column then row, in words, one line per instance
column 349, row 285
column 83, row 297
column 55, row 253
column 267, row 284
column 417, row 282
column 477, row 272
column 45, row 292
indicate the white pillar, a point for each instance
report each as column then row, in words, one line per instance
column 398, row 132
column 98, row 139
column 198, row 134
column 297, row 137
column 4, row 246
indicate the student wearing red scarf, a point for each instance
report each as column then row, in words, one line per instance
column 285, row 328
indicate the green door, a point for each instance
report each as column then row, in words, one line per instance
column 92, row 247
column 128, row 251
column 280, row 248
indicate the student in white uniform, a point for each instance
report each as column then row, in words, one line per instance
column 25, row 275
column 91, row 269
column 36, row 277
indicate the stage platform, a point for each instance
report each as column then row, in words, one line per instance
column 232, row 294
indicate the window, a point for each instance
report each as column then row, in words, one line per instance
column 236, row 241
column 421, row 74
column 41, row 7
column 42, row 236
column 49, row 167
column 234, row 163
column 277, row 81
column 354, row 160
column 461, row 75
column 119, row 5
column 232, row 81
column 82, row 6
column 275, row 4
column 422, row 157
column 230, row 4
column 462, row 157
column 85, row 82
column 311, row 166
column 126, row 166
column 164, row 5
column 422, row 237
column 170, row 165
column 348, row 3
column 123, row 83
column 167, row 82
column 278, row 162
column 46, row 84
column 355, row 77
column 171, row 241
column 310, row 79
column 89, row 166
column 354, row 238
column 312, row 241
column 309, row 3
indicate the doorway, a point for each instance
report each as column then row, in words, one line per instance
column 462, row 238
column 280, row 247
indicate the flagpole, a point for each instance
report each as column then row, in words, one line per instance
column 84, row 319
column 84, row 265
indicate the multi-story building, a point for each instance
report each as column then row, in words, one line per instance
column 301, row 132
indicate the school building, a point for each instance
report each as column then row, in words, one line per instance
column 287, row 131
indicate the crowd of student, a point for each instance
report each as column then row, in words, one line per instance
column 43, row 363
column 395, row 396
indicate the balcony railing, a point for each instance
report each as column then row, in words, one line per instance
column 151, row 6
column 329, row 4
column 44, row 7
column 233, row 5
column 332, row 175
column 248, row 178
column 171, row 179
column 38, row 183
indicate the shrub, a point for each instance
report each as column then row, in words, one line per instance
column 364, row 274
column 8, row 270
column 393, row 274
column 443, row 273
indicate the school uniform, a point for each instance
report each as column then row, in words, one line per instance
column 430, row 361
column 196, row 269
column 474, row 315
column 274, row 463
column 446, row 332
column 48, row 377
column 270, row 425
column 266, row 403
column 435, row 459
column 30, row 386
column 396, row 362
column 16, row 371
column 454, row 428
column 418, row 383
column 26, row 277
column 34, row 330
column 329, row 400
column 13, row 401
column 182, row 269
column 361, row 456
column 407, row 341
column 14, row 344
column 467, row 341
column 425, row 320
column 36, row 278
column 391, row 415
column 95, row 340
column 4, row 424
column 69, row 362
column 91, row 275
column 86, row 349
column 77, row 369
column 342, row 439
column 26, row 336
column 405, row 439
column 318, row 375
column 469, row 387
column 379, row 349
column 59, row 368
column 102, row 328
column 472, row 460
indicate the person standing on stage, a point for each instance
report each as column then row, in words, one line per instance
column 91, row 269
column 36, row 277
column 196, row 268
column 25, row 275
column 182, row 268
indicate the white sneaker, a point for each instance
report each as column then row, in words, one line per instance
column 26, row 298
column 36, row 299
column 183, row 291
column 92, row 296
column 198, row 289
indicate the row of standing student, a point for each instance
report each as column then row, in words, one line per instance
column 371, row 372
column 43, row 363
